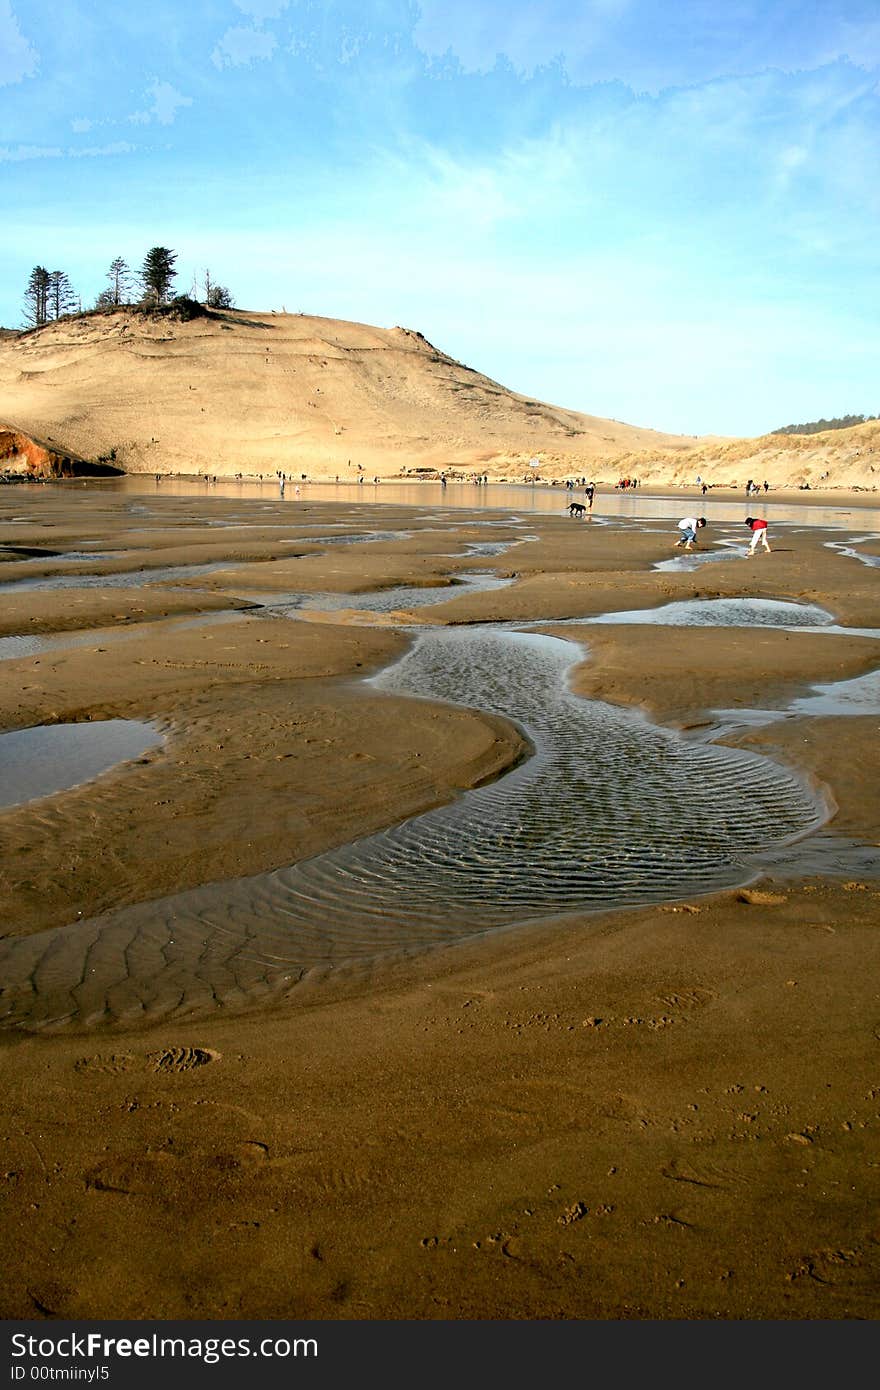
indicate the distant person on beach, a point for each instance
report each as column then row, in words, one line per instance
column 588, row 493
column 758, row 527
column 687, row 530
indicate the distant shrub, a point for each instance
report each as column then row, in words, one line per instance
column 181, row 309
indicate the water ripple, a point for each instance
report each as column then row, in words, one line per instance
column 608, row 811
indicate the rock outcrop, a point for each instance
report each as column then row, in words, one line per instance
column 23, row 456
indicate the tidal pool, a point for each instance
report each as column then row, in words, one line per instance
column 51, row 758
column 724, row 612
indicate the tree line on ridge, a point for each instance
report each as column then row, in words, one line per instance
column 840, row 422
column 50, row 294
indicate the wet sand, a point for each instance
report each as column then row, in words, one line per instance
column 668, row 1112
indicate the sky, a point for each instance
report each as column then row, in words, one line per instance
column 663, row 214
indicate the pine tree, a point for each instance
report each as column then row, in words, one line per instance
column 61, row 296
column 157, row 274
column 119, row 276
column 36, row 297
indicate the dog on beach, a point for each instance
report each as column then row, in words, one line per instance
column 576, row 508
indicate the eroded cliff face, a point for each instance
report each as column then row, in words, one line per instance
column 21, row 455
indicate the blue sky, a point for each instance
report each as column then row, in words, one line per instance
column 662, row 214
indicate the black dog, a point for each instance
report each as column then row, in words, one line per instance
column 577, row 508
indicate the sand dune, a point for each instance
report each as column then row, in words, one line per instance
column 247, row 392
column 840, row 458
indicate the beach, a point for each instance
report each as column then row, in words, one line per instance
column 665, row 1110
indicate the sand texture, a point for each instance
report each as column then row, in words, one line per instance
column 659, row 1112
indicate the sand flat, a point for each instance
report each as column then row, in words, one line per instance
column 589, row 1118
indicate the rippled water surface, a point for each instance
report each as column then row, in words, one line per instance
column 607, row 811
column 724, row 612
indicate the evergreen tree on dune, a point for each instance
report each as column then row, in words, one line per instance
column 158, row 273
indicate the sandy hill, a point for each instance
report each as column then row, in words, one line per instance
column 230, row 392
column 837, row 458
column 227, row 392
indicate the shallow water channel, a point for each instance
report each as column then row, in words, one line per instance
column 607, row 811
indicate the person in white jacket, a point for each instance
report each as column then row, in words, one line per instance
column 687, row 530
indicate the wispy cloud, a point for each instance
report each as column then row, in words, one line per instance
column 239, row 47
column 20, row 153
column 114, row 147
column 261, row 10
column 650, row 44
column 18, row 57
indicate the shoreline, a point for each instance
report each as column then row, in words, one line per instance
column 583, row 1118
column 722, row 491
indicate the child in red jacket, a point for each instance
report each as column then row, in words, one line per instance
column 758, row 527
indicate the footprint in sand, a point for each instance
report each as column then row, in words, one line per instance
column 113, row 1064
column 179, row 1059
column 174, row 1059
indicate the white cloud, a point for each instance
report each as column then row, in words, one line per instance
column 25, row 152
column 469, row 199
column 166, row 103
column 240, row 46
column 100, row 151
column 81, row 125
column 18, row 58
column 527, row 35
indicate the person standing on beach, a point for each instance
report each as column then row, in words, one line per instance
column 588, row 493
column 758, row 527
column 687, row 530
